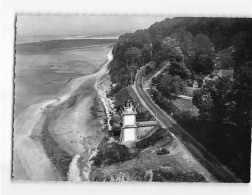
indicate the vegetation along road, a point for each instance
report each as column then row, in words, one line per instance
column 214, row 166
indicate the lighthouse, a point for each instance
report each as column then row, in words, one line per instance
column 129, row 127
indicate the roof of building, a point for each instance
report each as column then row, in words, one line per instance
column 226, row 73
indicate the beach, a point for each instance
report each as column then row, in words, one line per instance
column 48, row 135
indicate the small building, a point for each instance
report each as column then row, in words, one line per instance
column 226, row 73
column 129, row 127
column 131, row 130
column 219, row 72
column 195, row 84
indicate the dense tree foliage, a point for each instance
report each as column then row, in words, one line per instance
column 225, row 109
column 163, row 102
column 243, row 51
column 191, row 39
column 202, row 44
column 179, row 68
column 146, row 53
column 110, row 153
column 168, row 44
column 184, row 37
column 201, row 64
column 212, row 101
column 191, row 45
column 133, row 56
column 169, row 85
column 151, row 66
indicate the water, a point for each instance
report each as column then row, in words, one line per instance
column 38, row 38
column 41, row 76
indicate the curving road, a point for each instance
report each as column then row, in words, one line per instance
column 213, row 165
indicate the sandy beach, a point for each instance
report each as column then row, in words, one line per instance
column 49, row 134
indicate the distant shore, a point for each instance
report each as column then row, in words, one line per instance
column 47, row 46
column 49, row 134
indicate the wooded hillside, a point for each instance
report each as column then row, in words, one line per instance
column 195, row 47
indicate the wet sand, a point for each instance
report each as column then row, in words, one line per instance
column 40, row 77
column 63, row 125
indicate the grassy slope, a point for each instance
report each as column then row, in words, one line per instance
column 148, row 166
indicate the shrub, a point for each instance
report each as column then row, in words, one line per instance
column 115, row 119
column 200, row 83
column 115, row 89
column 110, row 153
column 179, row 68
column 171, row 85
column 189, row 122
column 153, row 139
column 148, row 70
column 163, row 102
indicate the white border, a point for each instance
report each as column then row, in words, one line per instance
column 231, row 8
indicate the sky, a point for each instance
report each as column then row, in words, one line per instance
column 81, row 24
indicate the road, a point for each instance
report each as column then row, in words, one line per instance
column 210, row 162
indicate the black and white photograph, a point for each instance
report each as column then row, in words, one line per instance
column 132, row 98
column 126, row 97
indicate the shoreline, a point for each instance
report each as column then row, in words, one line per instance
column 42, row 118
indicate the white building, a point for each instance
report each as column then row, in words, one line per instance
column 133, row 131
column 129, row 128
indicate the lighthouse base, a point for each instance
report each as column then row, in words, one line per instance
column 129, row 135
column 129, row 144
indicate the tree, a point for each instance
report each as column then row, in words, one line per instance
column 168, row 44
column 225, row 108
column 241, row 96
column 227, row 62
column 242, row 51
column 124, row 79
column 156, row 42
column 133, row 56
column 157, row 79
column 202, row 64
column 115, row 119
column 158, row 57
column 179, row 68
column 202, row 45
column 115, row 89
column 162, row 102
column 176, row 55
column 184, row 37
column 121, row 96
column 241, row 117
column 110, row 153
column 150, row 67
column 211, row 101
column 203, row 101
column 146, row 53
column 171, row 49
column 171, row 85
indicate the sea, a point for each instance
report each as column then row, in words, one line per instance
column 45, row 64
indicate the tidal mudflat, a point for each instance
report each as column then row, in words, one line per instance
column 54, row 92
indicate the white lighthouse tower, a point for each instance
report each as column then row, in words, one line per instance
column 129, row 128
